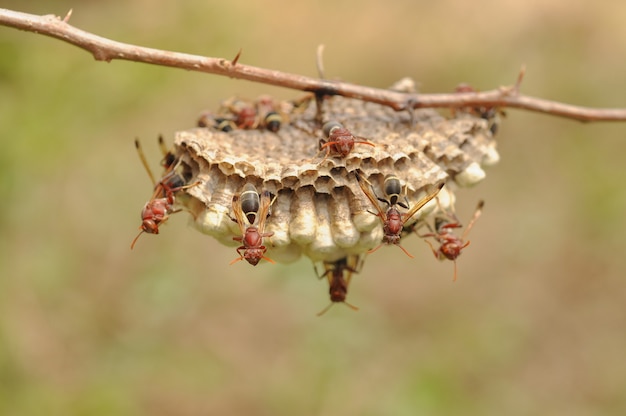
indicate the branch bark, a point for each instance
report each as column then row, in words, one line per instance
column 107, row 50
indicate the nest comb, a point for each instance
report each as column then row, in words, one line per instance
column 320, row 211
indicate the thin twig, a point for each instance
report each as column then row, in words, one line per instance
column 107, row 50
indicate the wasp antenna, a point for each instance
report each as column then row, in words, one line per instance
column 268, row 259
column 367, row 142
column 374, row 249
column 132, row 245
column 349, row 305
column 235, row 261
column 323, row 311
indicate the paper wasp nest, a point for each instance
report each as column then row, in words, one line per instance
column 320, row 211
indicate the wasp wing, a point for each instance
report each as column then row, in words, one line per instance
column 239, row 215
column 366, row 187
column 353, row 265
column 144, row 161
column 264, row 210
column 432, row 193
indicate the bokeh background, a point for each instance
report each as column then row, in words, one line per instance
column 535, row 324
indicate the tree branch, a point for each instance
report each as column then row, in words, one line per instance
column 104, row 49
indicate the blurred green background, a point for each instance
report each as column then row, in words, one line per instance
column 536, row 323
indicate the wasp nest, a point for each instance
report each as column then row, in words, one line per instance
column 318, row 207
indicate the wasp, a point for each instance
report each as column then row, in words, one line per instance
column 246, row 117
column 339, row 274
column 208, row 119
column 339, row 141
column 168, row 162
column 161, row 205
column 393, row 221
column 450, row 244
column 251, row 211
column 272, row 120
column 301, row 104
column 244, row 113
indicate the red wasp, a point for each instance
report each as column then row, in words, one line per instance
column 246, row 117
column 339, row 141
column 271, row 118
column 157, row 210
column 450, row 245
column 208, row 119
column 245, row 114
column 393, row 221
column 251, row 211
column 339, row 274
